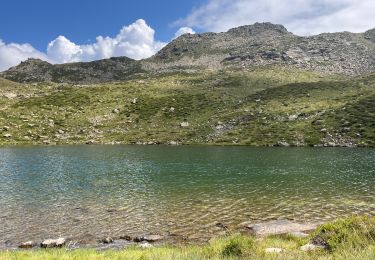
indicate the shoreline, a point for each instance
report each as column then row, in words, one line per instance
column 349, row 238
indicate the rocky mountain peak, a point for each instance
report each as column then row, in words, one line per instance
column 258, row 28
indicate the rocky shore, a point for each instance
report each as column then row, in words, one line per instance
column 257, row 230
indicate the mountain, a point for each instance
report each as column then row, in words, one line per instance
column 260, row 44
column 256, row 85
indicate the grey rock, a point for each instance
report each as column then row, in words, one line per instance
column 50, row 243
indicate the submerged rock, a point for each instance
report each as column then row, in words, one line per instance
column 279, row 227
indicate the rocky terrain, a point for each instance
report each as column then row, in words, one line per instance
column 253, row 85
column 244, row 47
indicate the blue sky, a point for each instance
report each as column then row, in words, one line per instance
column 39, row 21
column 60, row 31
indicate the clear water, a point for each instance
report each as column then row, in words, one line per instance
column 116, row 190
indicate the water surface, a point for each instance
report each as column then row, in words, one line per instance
column 116, row 190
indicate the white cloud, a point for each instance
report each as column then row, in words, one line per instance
column 135, row 41
column 184, row 30
column 12, row 54
column 303, row 17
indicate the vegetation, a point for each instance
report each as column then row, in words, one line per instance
column 263, row 106
column 351, row 238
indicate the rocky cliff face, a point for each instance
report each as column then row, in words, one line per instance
column 244, row 47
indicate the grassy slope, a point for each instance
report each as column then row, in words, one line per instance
column 351, row 238
column 259, row 107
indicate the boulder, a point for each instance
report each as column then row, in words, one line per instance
column 282, row 226
column 50, row 243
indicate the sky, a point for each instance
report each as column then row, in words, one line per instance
column 85, row 30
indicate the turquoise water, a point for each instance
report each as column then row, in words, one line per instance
column 117, row 190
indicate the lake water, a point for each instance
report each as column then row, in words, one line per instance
column 133, row 190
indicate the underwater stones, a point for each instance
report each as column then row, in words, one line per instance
column 7, row 135
column 50, row 243
column 116, row 111
column 282, row 226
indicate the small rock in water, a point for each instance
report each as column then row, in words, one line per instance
column 274, row 250
column 311, row 247
column 107, row 240
column 49, row 243
column 152, row 238
column 28, row 244
column 221, row 225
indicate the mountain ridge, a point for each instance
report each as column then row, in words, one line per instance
column 244, row 47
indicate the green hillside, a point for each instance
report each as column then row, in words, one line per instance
column 261, row 106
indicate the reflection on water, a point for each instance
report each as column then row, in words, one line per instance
column 117, row 190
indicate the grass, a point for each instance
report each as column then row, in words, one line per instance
column 259, row 107
column 351, row 238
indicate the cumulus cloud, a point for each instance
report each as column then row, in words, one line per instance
column 184, row 30
column 135, row 41
column 303, row 17
column 11, row 54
